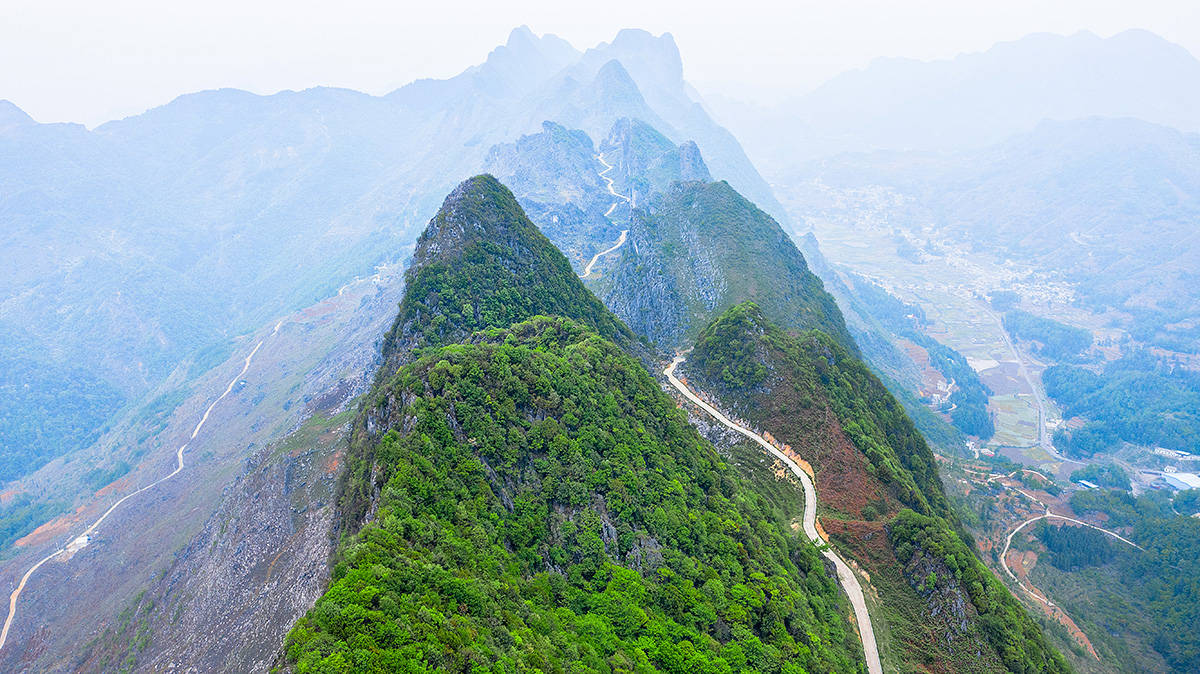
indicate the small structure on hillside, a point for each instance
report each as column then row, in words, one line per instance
column 1182, row 480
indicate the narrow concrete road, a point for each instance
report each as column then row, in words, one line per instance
column 79, row 542
column 587, row 271
column 845, row 574
column 1031, row 520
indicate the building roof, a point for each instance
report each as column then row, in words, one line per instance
column 1183, row 480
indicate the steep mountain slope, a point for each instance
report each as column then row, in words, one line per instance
column 532, row 498
column 482, row 263
column 698, row 249
column 556, row 177
column 880, row 496
column 479, row 264
column 695, row 247
column 523, row 525
column 211, row 566
column 646, row 162
column 655, row 65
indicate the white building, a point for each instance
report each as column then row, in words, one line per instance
column 1182, row 480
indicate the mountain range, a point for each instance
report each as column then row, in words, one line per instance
column 974, row 99
column 439, row 438
column 152, row 242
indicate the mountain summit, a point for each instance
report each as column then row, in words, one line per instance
column 482, row 263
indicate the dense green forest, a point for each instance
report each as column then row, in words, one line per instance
column 1187, row 502
column 1054, row 340
column 704, row 248
column 1154, row 596
column 790, row 384
column 47, row 409
column 967, row 405
column 1135, row 399
column 548, row 507
column 1073, row 548
column 481, row 263
column 1103, row 474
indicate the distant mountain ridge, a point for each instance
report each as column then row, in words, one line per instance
column 150, row 239
column 977, row 99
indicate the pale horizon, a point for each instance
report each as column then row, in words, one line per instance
column 87, row 64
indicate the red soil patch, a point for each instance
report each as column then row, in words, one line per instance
column 932, row 381
column 1021, row 563
column 867, row 541
column 318, row 310
column 332, row 463
column 59, row 526
column 116, row 485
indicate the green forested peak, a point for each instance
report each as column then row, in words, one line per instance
column 542, row 504
column 481, row 263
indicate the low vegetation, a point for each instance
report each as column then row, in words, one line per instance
column 1147, row 603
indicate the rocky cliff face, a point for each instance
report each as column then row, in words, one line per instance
column 699, row 248
column 646, row 162
column 555, row 175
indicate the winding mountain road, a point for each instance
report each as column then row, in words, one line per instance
column 587, row 271
column 845, row 574
column 79, row 542
column 1046, row 515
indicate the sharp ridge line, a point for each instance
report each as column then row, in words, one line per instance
column 849, row 581
column 16, row 593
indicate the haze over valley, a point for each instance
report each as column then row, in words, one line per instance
column 567, row 363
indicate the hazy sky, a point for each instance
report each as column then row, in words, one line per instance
column 103, row 59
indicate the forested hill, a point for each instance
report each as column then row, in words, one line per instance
column 534, row 500
column 879, row 493
column 482, row 263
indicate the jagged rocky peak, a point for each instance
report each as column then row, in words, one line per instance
column 547, row 52
column 647, row 161
column 555, row 165
column 650, row 57
column 479, row 209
